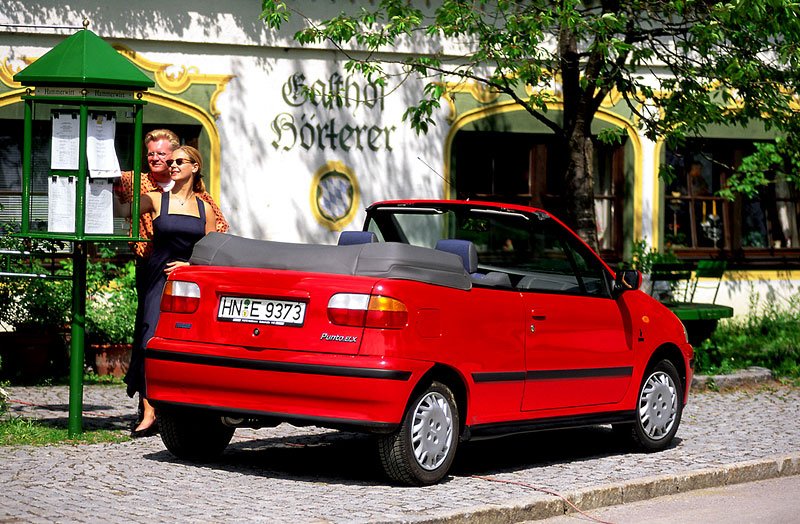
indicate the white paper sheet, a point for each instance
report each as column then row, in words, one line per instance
column 64, row 145
column 99, row 207
column 100, row 152
column 61, row 204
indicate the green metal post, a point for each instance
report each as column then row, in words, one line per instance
column 137, row 170
column 75, row 426
column 83, row 176
column 78, row 289
column 27, row 139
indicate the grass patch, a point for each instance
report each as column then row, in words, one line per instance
column 102, row 380
column 89, row 379
column 19, row 431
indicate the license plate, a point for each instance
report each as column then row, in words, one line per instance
column 262, row 311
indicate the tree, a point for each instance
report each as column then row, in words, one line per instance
column 680, row 65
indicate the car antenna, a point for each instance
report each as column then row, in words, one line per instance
column 434, row 171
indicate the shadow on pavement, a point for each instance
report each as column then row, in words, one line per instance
column 351, row 458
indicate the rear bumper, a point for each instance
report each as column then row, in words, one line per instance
column 322, row 389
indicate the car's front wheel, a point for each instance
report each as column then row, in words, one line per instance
column 422, row 450
column 193, row 435
column 658, row 409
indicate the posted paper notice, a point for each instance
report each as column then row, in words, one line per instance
column 64, row 146
column 100, row 153
column 99, row 214
column 61, row 204
column 99, row 207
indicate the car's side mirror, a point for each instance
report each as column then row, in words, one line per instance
column 626, row 280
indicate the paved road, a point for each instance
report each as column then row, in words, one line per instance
column 289, row 474
column 774, row 501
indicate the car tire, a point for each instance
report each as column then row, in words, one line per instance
column 659, row 406
column 422, row 450
column 193, row 435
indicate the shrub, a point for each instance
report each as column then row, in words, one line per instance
column 768, row 337
column 3, row 401
column 3, row 395
column 42, row 307
column 43, row 303
column 643, row 258
column 111, row 306
column 33, row 302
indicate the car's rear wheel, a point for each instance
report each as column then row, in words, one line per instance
column 193, row 435
column 422, row 450
column 658, row 409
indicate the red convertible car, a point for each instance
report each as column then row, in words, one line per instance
column 440, row 322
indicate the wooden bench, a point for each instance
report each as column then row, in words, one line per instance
column 682, row 282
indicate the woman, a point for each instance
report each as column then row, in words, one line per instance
column 180, row 220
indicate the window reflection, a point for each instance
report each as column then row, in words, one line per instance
column 695, row 218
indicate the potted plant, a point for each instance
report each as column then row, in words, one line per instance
column 110, row 316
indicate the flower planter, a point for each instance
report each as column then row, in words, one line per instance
column 110, row 359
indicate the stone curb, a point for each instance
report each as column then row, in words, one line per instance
column 749, row 376
column 625, row 492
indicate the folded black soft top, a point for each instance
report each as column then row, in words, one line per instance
column 381, row 259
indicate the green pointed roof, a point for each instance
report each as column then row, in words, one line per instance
column 84, row 59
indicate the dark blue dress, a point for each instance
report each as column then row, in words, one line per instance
column 174, row 237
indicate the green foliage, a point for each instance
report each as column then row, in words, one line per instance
column 46, row 303
column 18, row 431
column 32, row 302
column 731, row 50
column 3, row 399
column 773, row 162
column 110, row 303
column 768, row 337
column 92, row 378
column 274, row 13
column 643, row 257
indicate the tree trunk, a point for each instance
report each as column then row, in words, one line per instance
column 580, row 187
column 578, row 115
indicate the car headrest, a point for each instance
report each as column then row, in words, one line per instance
column 463, row 248
column 349, row 238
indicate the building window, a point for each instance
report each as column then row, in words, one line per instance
column 527, row 169
column 698, row 223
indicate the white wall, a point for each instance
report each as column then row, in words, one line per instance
column 754, row 291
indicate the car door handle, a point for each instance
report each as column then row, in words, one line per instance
column 538, row 315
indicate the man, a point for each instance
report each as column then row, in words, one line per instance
column 160, row 144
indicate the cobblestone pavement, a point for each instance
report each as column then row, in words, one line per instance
column 288, row 474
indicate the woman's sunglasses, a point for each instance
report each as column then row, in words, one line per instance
column 179, row 161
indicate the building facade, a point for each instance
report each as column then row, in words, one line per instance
column 289, row 168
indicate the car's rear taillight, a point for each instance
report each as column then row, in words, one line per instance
column 180, row 297
column 374, row 311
